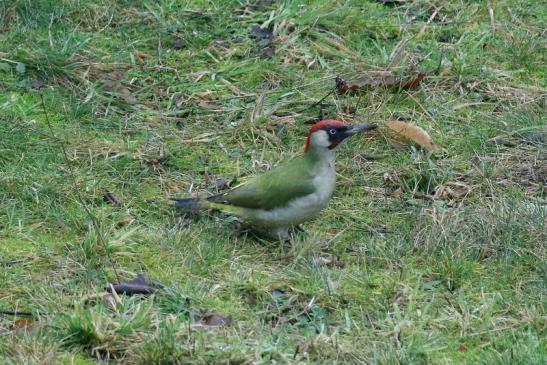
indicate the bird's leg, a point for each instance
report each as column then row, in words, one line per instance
column 281, row 233
column 238, row 229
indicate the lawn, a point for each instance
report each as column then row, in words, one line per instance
column 420, row 257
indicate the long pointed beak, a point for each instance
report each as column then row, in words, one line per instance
column 361, row 128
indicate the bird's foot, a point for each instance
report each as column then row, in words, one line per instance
column 281, row 234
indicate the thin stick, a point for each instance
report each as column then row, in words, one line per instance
column 12, row 262
column 15, row 313
column 323, row 98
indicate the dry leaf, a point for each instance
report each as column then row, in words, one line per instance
column 264, row 41
column 140, row 285
column 37, row 84
column 140, row 56
column 179, row 43
column 218, row 182
column 120, row 90
column 126, row 95
column 23, row 323
column 116, row 75
column 414, row 133
column 111, row 198
column 452, row 192
column 392, row 3
column 397, row 193
column 462, row 348
column 212, row 320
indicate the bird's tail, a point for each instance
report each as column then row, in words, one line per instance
column 192, row 204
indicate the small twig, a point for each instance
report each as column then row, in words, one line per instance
column 296, row 350
column 15, row 313
column 357, row 104
column 320, row 103
column 12, row 262
column 323, row 98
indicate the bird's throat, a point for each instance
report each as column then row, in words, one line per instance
column 321, row 155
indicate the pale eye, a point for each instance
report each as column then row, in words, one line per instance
column 332, row 131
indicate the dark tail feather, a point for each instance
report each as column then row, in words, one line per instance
column 190, row 204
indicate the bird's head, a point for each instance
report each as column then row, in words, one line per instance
column 329, row 133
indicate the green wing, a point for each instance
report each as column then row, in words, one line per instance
column 273, row 189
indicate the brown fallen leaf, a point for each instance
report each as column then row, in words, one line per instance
column 179, row 43
column 329, row 261
column 37, row 84
column 120, row 90
column 396, row 193
column 379, row 79
column 111, row 198
column 218, row 182
column 453, row 193
column 140, row 285
column 414, row 133
column 413, row 82
column 126, row 95
column 462, row 348
column 392, row 3
column 23, row 323
column 212, row 320
column 264, row 41
column 262, row 36
column 484, row 253
column 140, row 56
column 502, row 142
column 116, row 75
column 284, row 320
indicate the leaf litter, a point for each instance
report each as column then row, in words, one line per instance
column 211, row 321
column 111, row 198
column 139, row 285
column 263, row 38
column 112, row 83
column 413, row 133
column 37, row 84
column 219, row 183
column 120, row 91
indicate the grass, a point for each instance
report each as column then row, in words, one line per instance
column 418, row 258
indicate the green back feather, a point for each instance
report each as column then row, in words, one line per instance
column 275, row 188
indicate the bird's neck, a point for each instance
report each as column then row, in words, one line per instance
column 321, row 155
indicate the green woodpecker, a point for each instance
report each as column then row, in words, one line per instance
column 287, row 195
